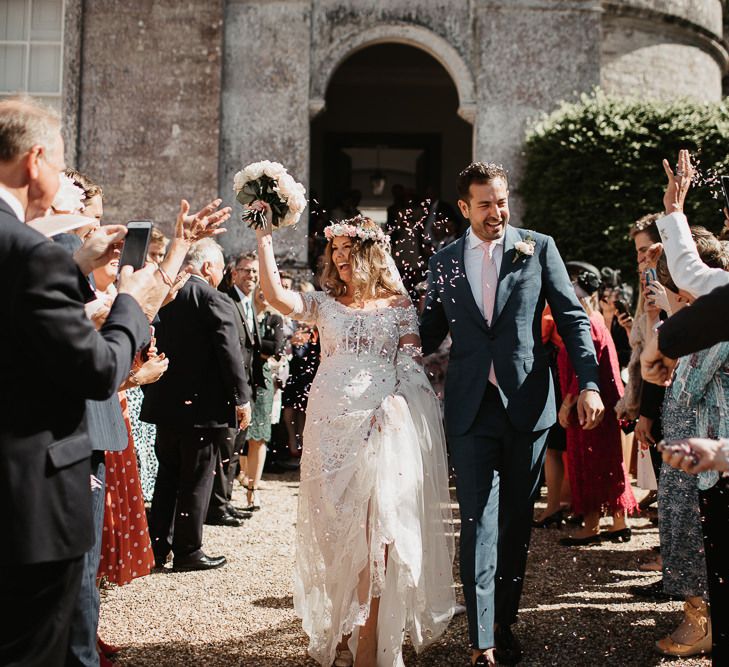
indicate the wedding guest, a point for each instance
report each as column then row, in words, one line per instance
column 270, row 328
column 598, row 479
column 157, row 247
column 305, row 357
column 558, row 492
column 203, row 395
column 244, row 276
column 46, row 512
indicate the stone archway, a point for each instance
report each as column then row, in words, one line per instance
column 330, row 58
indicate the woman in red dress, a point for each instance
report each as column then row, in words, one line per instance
column 597, row 474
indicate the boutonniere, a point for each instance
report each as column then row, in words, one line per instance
column 524, row 248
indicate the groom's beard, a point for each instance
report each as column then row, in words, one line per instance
column 491, row 228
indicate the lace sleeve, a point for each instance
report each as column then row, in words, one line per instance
column 307, row 310
column 408, row 324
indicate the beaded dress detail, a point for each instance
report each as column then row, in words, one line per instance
column 374, row 477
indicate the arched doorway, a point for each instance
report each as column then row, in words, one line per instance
column 391, row 110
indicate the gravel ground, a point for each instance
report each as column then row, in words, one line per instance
column 575, row 608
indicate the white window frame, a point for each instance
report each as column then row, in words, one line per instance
column 27, row 43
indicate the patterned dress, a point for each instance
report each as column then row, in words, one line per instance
column 143, row 435
column 695, row 405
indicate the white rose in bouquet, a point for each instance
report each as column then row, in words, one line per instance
column 269, row 182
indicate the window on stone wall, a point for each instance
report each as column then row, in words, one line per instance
column 31, row 49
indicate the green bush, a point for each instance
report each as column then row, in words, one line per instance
column 594, row 167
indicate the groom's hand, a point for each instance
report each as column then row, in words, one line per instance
column 590, row 409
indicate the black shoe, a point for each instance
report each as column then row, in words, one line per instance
column 622, row 535
column 574, row 519
column 199, row 563
column 580, row 541
column 555, row 519
column 653, row 591
column 508, row 649
column 225, row 520
column 239, row 514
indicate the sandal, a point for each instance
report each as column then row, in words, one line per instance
column 254, row 501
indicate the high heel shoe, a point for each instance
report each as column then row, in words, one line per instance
column 622, row 535
column 554, row 519
column 254, row 501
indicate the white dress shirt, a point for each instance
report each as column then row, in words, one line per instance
column 13, row 202
column 247, row 304
column 684, row 264
column 473, row 261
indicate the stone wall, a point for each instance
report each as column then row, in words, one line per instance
column 265, row 112
column 662, row 49
column 150, row 104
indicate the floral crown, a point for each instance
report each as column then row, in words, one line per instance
column 355, row 228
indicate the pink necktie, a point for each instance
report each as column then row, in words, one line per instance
column 489, row 278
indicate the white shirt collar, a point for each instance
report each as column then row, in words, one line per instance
column 14, row 203
column 475, row 242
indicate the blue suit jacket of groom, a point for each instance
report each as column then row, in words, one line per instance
column 513, row 339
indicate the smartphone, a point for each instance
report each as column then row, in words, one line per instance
column 650, row 276
column 134, row 252
column 725, row 189
column 621, row 307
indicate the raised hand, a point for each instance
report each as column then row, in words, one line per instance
column 206, row 222
column 267, row 228
column 144, row 286
column 678, row 183
column 100, row 247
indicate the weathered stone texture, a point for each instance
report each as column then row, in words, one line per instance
column 265, row 114
column 150, row 104
column 639, row 60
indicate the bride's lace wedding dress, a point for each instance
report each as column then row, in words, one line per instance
column 374, row 486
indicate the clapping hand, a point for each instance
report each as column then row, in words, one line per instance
column 100, row 247
column 654, row 367
column 678, row 183
column 206, row 222
column 656, row 295
column 179, row 283
column 152, row 369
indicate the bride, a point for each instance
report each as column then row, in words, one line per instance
column 374, row 548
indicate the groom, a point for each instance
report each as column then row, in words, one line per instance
column 488, row 289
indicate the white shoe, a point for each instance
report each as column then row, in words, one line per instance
column 344, row 658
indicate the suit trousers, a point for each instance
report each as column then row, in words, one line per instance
column 497, row 480
column 226, row 462
column 714, row 504
column 38, row 602
column 187, row 459
column 85, row 620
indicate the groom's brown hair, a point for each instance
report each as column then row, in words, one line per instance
column 478, row 172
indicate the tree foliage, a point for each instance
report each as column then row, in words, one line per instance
column 593, row 167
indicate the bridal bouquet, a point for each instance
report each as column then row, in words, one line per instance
column 269, row 182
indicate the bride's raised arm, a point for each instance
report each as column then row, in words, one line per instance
column 285, row 301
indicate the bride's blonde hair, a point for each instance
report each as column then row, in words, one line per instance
column 371, row 277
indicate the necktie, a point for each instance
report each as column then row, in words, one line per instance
column 489, row 279
column 248, row 313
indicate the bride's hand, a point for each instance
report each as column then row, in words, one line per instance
column 267, row 228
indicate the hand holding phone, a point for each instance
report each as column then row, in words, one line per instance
column 134, row 252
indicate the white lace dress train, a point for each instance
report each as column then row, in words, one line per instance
column 374, row 477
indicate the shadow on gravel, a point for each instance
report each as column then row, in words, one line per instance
column 285, row 602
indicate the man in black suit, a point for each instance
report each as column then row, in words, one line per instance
column 54, row 359
column 245, row 278
column 204, row 394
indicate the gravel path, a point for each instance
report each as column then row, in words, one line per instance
column 575, row 610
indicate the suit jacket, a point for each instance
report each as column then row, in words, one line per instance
column 512, row 341
column 53, row 360
column 250, row 342
column 703, row 324
column 206, row 377
column 684, row 263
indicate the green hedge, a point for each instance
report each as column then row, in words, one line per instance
column 593, row 167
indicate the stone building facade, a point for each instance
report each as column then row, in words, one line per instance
column 163, row 99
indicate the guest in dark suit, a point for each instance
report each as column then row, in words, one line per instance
column 204, row 394
column 52, row 351
column 244, row 277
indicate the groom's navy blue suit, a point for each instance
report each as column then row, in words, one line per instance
column 496, row 436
